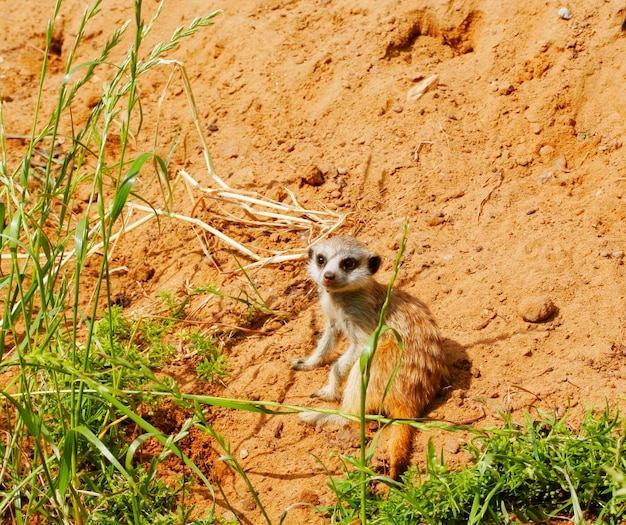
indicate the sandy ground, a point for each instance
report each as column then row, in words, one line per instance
column 510, row 167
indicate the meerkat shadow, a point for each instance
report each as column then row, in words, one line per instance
column 460, row 371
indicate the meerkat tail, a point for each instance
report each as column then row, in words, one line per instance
column 400, row 447
column 317, row 419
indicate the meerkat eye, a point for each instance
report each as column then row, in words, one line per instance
column 348, row 264
column 321, row 260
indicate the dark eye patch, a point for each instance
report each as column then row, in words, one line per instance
column 321, row 260
column 349, row 263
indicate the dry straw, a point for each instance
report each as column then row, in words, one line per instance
column 242, row 207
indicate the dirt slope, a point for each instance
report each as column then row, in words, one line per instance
column 511, row 169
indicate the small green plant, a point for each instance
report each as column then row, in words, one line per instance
column 213, row 364
column 140, row 340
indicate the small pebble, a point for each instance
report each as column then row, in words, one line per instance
column 435, row 221
column 536, row 309
column 452, row 446
column 545, row 177
column 398, row 108
column 416, row 92
column 312, row 176
column 618, row 254
column 565, row 13
column 342, row 171
column 531, row 211
column 546, row 151
column 244, row 453
column 560, row 164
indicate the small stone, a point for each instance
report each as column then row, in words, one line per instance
column 244, row 453
column 532, row 211
column 565, row 13
column 342, row 171
column 213, row 127
column 506, row 88
column 618, row 254
column 416, row 92
column 536, row 309
column 560, row 163
column 435, row 221
column 522, row 161
column 475, row 371
column 313, row 176
column 398, row 108
column 479, row 248
column 452, row 446
column 546, row 152
column 545, row 177
column 308, row 496
column 536, row 127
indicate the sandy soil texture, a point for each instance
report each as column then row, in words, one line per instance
column 497, row 128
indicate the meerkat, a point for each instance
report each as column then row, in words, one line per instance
column 352, row 300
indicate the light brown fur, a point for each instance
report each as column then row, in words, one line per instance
column 352, row 303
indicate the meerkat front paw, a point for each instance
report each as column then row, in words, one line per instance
column 311, row 418
column 302, row 363
column 327, row 394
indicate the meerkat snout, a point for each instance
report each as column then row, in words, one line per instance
column 352, row 300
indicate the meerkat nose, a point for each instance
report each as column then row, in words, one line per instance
column 329, row 277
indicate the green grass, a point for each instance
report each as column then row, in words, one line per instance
column 213, row 364
column 76, row 373
column 534, row 471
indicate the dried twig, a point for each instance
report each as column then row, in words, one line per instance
column 416, row 153
column 488, row 196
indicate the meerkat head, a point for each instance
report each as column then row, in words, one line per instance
column 342, row 264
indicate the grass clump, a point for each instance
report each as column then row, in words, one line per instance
column 213, row 364
column 72, row 374
column 533, row 472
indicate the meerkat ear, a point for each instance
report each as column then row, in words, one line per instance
column 373, row 263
